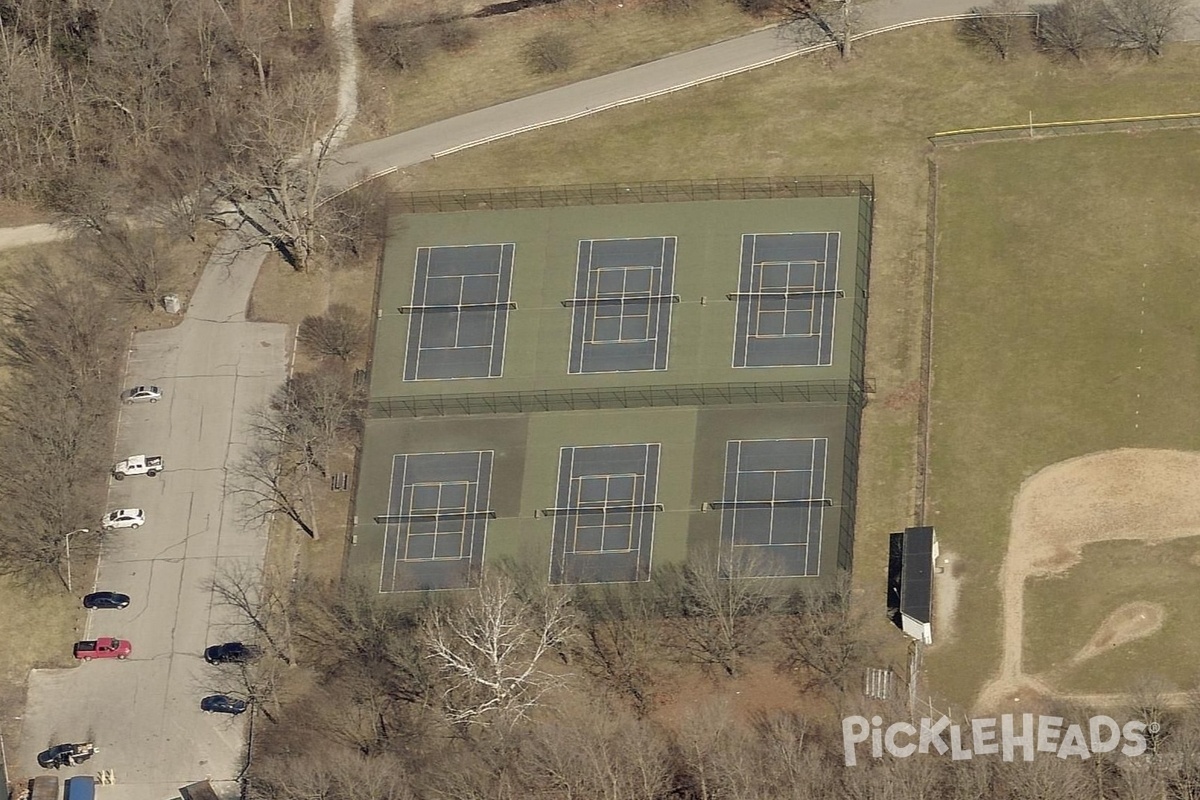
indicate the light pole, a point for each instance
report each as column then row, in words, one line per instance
column 67, row 537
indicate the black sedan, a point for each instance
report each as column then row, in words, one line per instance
column 232, row 653
column 221, row 704
column 65, row 755
column 106, row 600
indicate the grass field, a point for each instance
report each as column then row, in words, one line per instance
column 606, row 35
column 820, row 116
column 1064, row 325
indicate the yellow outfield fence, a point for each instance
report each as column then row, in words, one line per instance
column 1033, row 130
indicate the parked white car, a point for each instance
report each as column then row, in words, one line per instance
column 143, row 394
column 123, row 518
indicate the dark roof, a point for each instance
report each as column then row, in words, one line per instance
column 199, row 791
column 916, row 579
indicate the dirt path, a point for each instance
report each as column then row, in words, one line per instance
column 1128, row 494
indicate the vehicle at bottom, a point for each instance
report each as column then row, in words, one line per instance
column 44, row 787
column 222, row 704
column 81, row 787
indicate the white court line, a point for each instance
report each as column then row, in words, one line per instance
column 507, row 285
column 566, row 457
column 820, row 509
column 737, row 476
column 396, row 556
column 831, row 302
column 383, row 555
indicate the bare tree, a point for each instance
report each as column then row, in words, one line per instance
column 312, row 413
column 339, row 333
column 727, row 603
column 711, row 747
column 179, row 181
column 272, row 480
column 826, row 636
column 272, row 193
column 997, row 27
column 817, row 21
column 358, row 637
column 590, row 752
column 60, row 347
column 259, row 682
column 57, row 325
column 354, row 223
column 1142, row 25
column 1071, row 27
column 261, row 602
column 140, row 265
column 491, row 649
column 618, row 642
column 331, row 774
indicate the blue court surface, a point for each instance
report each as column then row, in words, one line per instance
column 773, row 505
column 624, row 290
column 436, row 520
column 458, row 318
column 786, row 300
column 604, row 513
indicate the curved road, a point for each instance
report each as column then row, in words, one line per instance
column 215, row 367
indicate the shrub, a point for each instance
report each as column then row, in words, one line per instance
column 455, row 35
column 549, row 52
column 339, row 333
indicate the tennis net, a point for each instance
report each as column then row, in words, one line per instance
column 625, row 508
column 572, row 302
column 434, row 516
column 786, row 295
column 454, row 307
column 735, row 504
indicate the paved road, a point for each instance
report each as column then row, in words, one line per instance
column 381, row 156
column 214, row 368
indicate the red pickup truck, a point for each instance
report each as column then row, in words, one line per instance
column 104, row 647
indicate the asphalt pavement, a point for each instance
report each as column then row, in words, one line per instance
column 143, row 713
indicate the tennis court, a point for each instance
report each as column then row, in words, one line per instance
column 786, row 300
column 435, row 524
column 597, row 449
column 604, row 513
column 774, row 503
column 458, row 317
column 624, row 290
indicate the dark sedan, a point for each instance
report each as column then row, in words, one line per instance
column 106, row 600
column 65, row 755
column 222, row 704
column 232, row 653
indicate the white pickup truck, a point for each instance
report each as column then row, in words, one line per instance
column 138, row 465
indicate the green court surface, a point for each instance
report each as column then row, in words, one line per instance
column 809, row 411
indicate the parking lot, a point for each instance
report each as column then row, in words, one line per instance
column 143, row 713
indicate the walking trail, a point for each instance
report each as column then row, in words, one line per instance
column 382, row 156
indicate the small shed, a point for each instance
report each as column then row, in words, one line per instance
column 911, row 559
column 202, row 790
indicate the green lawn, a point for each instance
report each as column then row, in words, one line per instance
column 1048, row 254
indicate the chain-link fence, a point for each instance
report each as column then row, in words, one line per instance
column 1036, row 130
column 670, row 396
column 593, row 194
